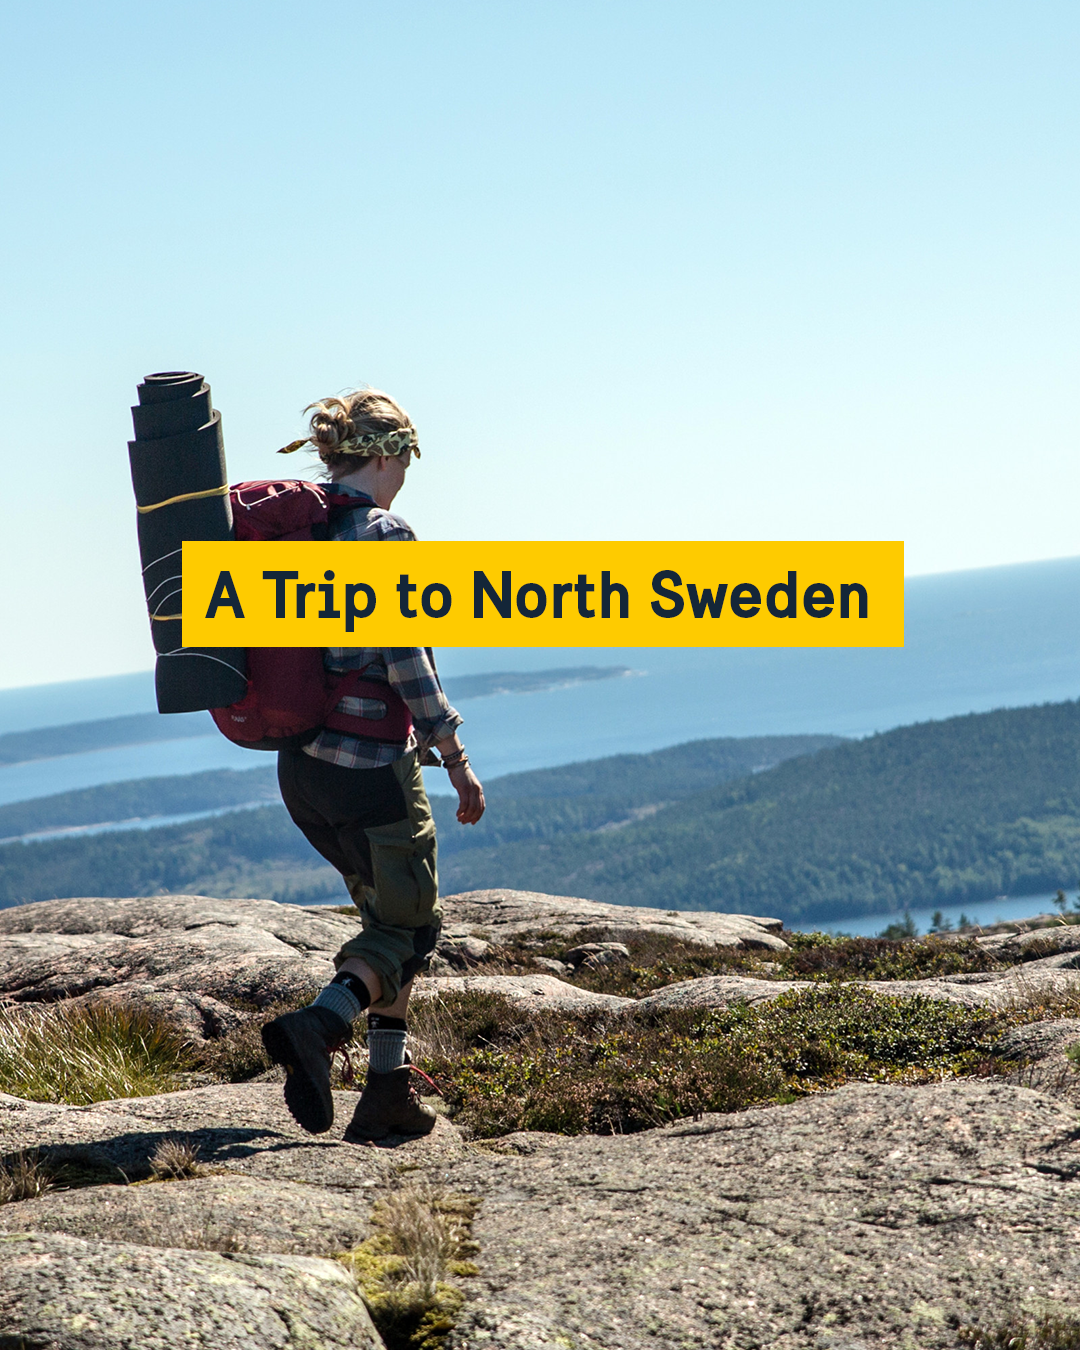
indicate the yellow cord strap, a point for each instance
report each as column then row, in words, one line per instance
column 222, row 491
column 164, row 618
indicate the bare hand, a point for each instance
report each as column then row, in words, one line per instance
column 470, row 794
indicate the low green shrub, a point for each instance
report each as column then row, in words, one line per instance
column 820, row 956
column 603, row 1074
column 842, row 1031
column 90, row 1053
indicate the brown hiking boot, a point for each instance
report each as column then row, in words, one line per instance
column 389, row 1105
column 303, row 1042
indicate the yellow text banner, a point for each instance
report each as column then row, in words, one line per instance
column 629, row 594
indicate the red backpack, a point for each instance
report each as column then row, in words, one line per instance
column 291, row 695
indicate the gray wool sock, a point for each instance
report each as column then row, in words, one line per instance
column 386, row 1050
column 341, row 1000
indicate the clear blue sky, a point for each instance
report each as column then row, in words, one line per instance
column 638, row 270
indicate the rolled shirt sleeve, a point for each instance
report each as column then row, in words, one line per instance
column 411, row 672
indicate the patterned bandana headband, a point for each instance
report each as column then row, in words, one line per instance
column 375, row 443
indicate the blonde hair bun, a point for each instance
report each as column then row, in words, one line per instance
column 360, row 424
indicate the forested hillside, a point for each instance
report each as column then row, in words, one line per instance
column 933, row 814
column 260, row 853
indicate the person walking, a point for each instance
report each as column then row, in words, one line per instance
column 361, row 803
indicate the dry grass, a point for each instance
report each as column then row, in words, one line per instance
column 85, row 1054
column 240, row 1055
column 1032, row 1004
column 447, row 1026
column 213, row 1234
column 175, row 1159
column 24, row 1176
column 657, row 959
column 208, row 1231
column 1017, row 1333
column 422, row 1236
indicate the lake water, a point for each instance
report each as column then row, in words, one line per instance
column 141, row 823
column 984, row 913
column 42, row 777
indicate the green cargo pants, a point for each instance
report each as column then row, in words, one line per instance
column 375, row 827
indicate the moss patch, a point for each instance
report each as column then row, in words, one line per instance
column 422, row 1237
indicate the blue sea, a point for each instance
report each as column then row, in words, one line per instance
column 989, row 638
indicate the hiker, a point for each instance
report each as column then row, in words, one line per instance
column 361, row 803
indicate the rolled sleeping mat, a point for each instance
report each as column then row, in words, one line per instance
column 181, row 491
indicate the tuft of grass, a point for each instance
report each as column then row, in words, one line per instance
column 175, row 1159
column 606, row 1074
column 91, row 1053
column 422, row 1236
column 24, row 1176
column 1017, row 1333
column 1033, row 1004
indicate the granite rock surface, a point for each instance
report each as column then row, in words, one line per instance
column 870, row 1216
column 192, row 957
column 538, row 992
column 864, row 1218
column 68, row 1293
column 499, row 915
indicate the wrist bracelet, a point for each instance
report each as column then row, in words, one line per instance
column 455, row 760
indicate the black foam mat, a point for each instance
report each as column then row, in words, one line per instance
column 179, row 450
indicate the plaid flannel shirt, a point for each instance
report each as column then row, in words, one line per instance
column 407, row 669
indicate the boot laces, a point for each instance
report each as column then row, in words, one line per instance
column 427, row 1079
column 348, row 1073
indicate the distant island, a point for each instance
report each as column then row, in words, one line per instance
column 462, row 687
column 77, row 738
